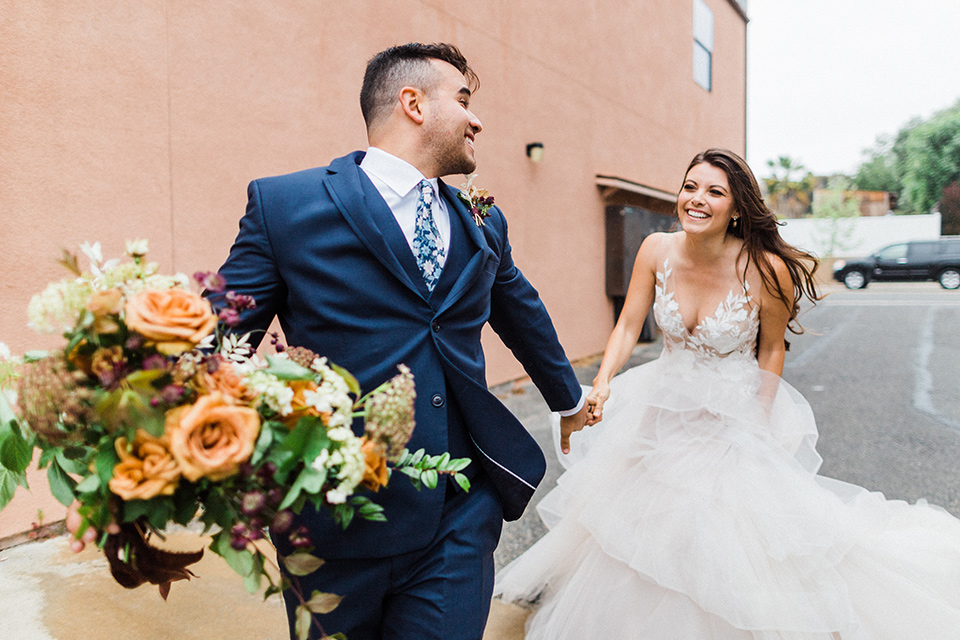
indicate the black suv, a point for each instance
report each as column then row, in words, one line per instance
column 915, row 261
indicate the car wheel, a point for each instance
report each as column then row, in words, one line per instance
column 855, row 279
column 949, row 278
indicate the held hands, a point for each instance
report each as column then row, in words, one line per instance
column 595, row 401
column 569, row 424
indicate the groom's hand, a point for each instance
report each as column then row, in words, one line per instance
column 570, row 424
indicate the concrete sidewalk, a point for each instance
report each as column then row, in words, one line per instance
column 49, row 593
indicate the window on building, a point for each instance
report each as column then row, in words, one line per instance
column 702, row 44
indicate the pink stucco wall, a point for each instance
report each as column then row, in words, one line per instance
column 123, row 120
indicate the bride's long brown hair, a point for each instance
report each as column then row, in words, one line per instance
column 759, row 229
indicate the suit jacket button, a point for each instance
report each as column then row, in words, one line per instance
column 437, row 400
column 436, row 326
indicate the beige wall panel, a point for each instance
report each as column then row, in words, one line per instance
column 148, row 119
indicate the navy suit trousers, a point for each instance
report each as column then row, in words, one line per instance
column 440, row 592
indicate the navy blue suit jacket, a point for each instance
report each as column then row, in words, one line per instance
column 321, row 250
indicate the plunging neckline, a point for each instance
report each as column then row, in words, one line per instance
column 732, row 292
column 718, row 331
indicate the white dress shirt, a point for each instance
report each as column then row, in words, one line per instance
column 396, row 180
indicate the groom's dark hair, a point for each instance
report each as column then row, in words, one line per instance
column 406, row 64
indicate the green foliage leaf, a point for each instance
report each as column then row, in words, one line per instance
column 320, row 602
column 158, row 511
column 302, row 624
column 47, row 456
column 286, row 369
column 343, row 514
column 301, row 563
column 352, row 383
column 105, row 461
column 61, row 485
column 74, row 465
column 15, row 452
column 90, row 484
column 429, row 477
column 8, row 419
column 307, row 440
column 252, row 581
column 8, row 485
column 264, row 440
column 240, row 561
column 310, row 481
column 463, row 481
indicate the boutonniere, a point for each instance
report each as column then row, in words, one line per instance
column 479, row 200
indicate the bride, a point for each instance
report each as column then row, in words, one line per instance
column 694, row 510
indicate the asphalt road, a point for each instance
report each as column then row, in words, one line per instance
column 881, row 370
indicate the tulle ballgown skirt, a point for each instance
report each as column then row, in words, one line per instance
column 693, row 511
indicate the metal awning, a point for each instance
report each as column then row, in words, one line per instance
column 612, row 186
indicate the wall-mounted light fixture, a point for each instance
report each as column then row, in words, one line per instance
column 535, row 151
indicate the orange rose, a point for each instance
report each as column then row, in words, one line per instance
column 212, row 437
column 173, row 319
column 146, row 468
column 375, row 473
column 226, row 381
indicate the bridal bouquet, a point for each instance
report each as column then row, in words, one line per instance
column 153, row 413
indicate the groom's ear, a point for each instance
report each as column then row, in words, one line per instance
column 412, row 101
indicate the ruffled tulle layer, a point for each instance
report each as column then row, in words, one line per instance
column 693, row 511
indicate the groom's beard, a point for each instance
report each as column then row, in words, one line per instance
column 452, row 154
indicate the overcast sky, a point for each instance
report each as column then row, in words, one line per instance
column 826, row 77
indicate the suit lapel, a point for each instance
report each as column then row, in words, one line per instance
column 461, row 222
column 366, row 212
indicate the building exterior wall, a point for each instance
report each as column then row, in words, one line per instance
column 123, row 120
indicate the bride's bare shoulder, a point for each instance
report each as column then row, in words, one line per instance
column 656, row 248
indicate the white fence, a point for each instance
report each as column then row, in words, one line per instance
column 853, row 237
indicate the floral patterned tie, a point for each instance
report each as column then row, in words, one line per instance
column 427, row 248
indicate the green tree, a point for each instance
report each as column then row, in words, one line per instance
column 878, row 170
column 788, row 185
column 835, row 213
column 928, row 158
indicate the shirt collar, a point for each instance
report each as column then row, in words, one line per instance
column 401, row 176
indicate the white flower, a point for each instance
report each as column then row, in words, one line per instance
column 274, row 393
column 234, row 348
column 137, row 248
column 320, row 462
column 4, row 351
column 93, row 252
column 340, row 434
column 56, row 308
column 337, row 496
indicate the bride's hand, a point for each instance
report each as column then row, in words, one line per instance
column 74, row 521
column 595, row 401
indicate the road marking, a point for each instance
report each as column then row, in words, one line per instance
column 923, row 385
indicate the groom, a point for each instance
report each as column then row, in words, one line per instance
column 373, row 261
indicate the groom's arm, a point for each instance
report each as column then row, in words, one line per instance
column 251, row 270
column 518, row 316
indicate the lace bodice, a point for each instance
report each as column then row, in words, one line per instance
column 730, row 331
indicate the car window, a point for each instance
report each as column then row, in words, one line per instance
column 949, row 247
column 893, row 252
column 922, row 250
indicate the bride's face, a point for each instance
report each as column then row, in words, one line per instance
column 705, row 204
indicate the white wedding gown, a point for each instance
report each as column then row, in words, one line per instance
column 694, row 512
